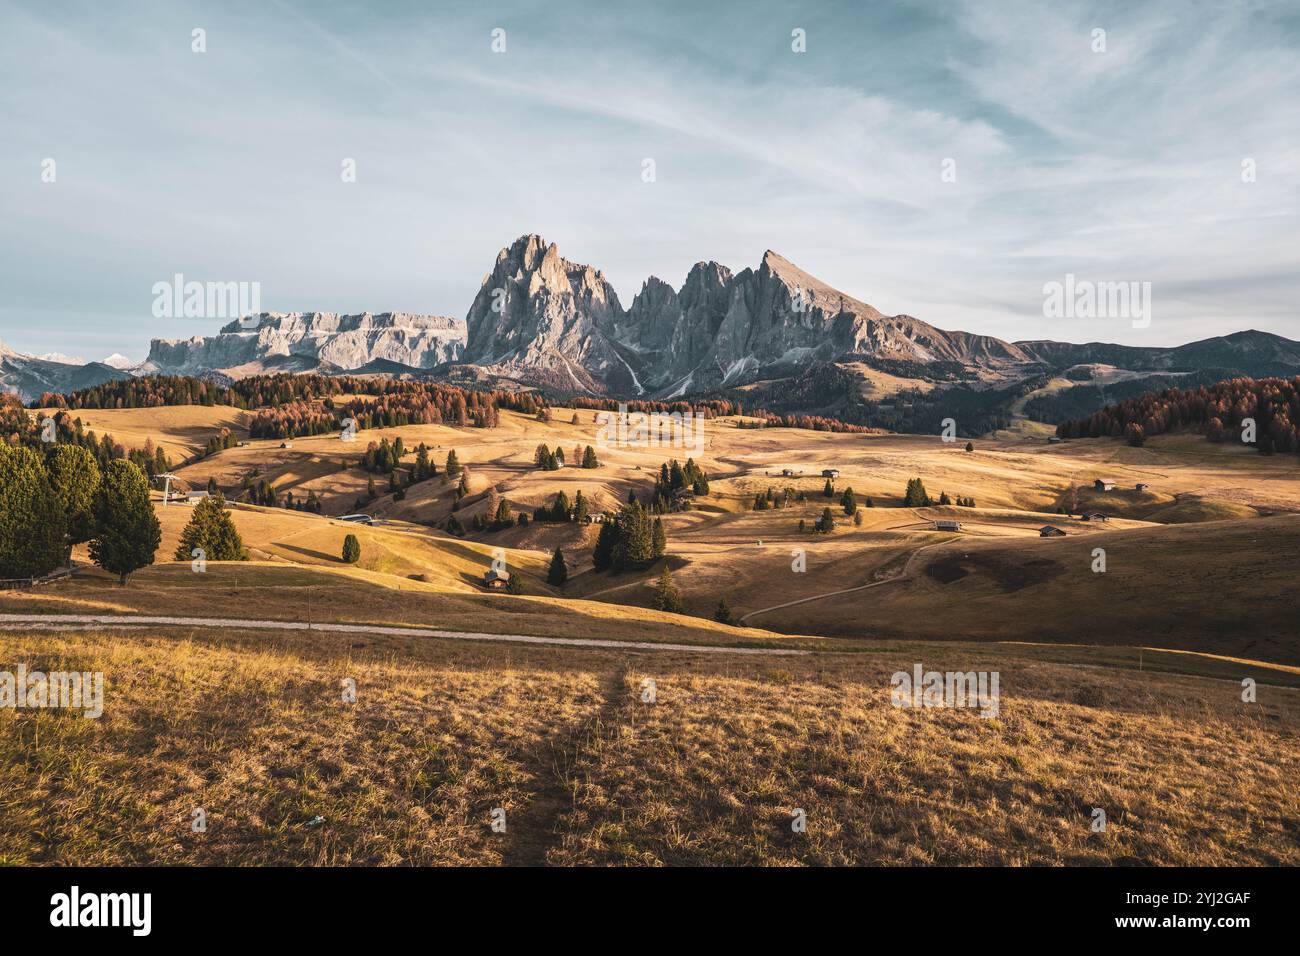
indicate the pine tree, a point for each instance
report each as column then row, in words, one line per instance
column 659, row 540
column 211, row 529
column 916, row 496
column 667, row 597
column 970, row 447
column 74, row 478
column 212, row 485
column 501, row 517
column 722, row 614
column 453, row 464
column 602, row 557
column 849, row 501
column 351, row 549
column 32, row 523
column 635, row 547
column 828, row 490
column 589, row 458
column 944, row 499
column 127, row 533
column 558, row 573
column 827, row 523
column 857, row 518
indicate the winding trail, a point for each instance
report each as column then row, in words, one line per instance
column 900, row 576
column 65, row 621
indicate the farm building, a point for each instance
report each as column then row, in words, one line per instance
column 194, row 497
column 596, row 517
column 1050, row 531
column 497, row 580
column 947, row 524
column 1053, row 440
column 1095, row 516
column 787, row 472
column 1102, row 484
column 286, row 444
column 830, row 472
column 1141, row 486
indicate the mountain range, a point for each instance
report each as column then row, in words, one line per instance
column 542, row 321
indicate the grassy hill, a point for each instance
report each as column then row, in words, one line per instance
column 253, row 729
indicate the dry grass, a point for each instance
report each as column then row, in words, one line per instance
column 254, row 730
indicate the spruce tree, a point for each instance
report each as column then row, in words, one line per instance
column 667, row 597
column 74, row 478
column 32, row 523
column 659, row 539
column 211, row 529
column 849, row 501
column 722, row 614
column 828, row 490
column 352, row 549
column 827, row 523
column 501, row 518
column 558, row 573
column 127, row 533
column 602, row 557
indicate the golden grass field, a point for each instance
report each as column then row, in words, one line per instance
column 254, row 730
column 1120, row 689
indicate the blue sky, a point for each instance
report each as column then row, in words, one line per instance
column 225, row 166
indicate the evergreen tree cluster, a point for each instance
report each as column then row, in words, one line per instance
column 1218, row 411
column 916, row 495
column 674, row 477
column 60, row 496
column 632, row 541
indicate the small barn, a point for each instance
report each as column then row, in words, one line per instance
column 1053, row 440
column 1050, row 531
column 286, row 444
column 194, row 497
column 947, row 524
column 787, row 472
column 830, row 472
column 1141, row 486
column 596, row 517
column 1101, row 484
column 496, row 580
column 1095, row 516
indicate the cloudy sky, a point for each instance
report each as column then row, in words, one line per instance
column 1122, row 165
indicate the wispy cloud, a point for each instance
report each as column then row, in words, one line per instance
column 1123, row 164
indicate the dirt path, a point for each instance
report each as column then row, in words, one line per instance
column 63, row 621
column 900, row 576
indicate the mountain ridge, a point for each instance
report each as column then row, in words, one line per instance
column 542, row 321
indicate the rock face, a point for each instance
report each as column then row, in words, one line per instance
column 540, row 320
column 548, row 321
column 312, row 339
column 555, row 321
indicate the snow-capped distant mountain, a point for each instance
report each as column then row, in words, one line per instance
column 118, row 360
column 31, row 376
column 61, row 358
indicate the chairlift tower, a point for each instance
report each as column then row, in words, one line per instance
column 167, row 485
